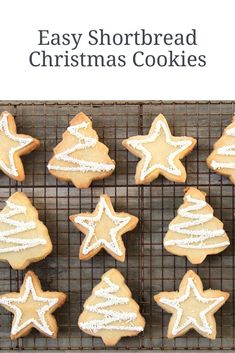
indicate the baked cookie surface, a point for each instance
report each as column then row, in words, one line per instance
column 80, row 157
column 110, row 312
column 160, row 153
column 195, row 232
column 103, row 228
column 222, row 158
column 192, row 307
column 23, row 237
column 32, row 308
column 13, row 146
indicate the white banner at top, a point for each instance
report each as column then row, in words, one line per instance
column 125, row 50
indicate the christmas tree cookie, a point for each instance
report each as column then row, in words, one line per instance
column 192, row 307
column 110, row 312
column 80, row 157
column 195, row 232
column 12, row 146
column 160, row 153
column 222, row 158
column 32, row 308
column 103, row 229
column 23, row 238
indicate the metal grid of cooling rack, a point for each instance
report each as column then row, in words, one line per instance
column 148, row 268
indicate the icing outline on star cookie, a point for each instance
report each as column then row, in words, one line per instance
column 23, row 140
column 191, row 283
column 88, row 222
column 136, row 145
column 10, row 301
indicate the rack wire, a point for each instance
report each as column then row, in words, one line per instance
column 148, row 268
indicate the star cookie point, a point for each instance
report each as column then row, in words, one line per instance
column 160, row 153
column 103, row 228
column 192, row 307
column 13, row 146
column 32, row 308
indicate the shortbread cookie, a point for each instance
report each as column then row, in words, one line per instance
column 195, row 232
column 12, row 146
column 32, row 308
column 80, row 157
column 23, row 238
column 160, row 153
column 192, row 307
column 222, row 158
column 110, row 312
column 103, row 229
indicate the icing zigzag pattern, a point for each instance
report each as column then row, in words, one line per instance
column 18, row 227
column 195, row 232
column 84, row 142
column 80, row 157
column 23, row 237
column 110, row 316
column 222, row 158
column 110, row 312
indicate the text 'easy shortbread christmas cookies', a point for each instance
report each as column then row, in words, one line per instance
column 12, row 146
column 80, row 157
column 160, row 153
column 110, row 312
column 195, row 232
column 32, row 308
column 192, row 307
column 103, row 229
column 23, row 237
column 222, row 158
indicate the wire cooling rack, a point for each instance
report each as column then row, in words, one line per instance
column 148, row 268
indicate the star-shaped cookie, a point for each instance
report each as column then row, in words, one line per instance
column 103, row 229
column 160, row 153
column 12, row 146
column 192, row 307
column 32, row 308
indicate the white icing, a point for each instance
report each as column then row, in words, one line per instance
column 40, row 322
column 18, row 227
column 110, row 316
column 197, row 237
column 81, row 165
column 203, row 326
column 22, row 142
column 139, row 145
column 89, row 222
column 225, row 151
column 222, row 165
